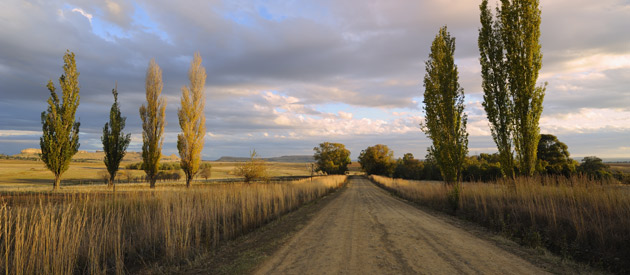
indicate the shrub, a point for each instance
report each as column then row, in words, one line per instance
column 253, row 169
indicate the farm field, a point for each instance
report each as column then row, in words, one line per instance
column 623, row 167
column 314, row 137
column 88, row 229
column 31, row 175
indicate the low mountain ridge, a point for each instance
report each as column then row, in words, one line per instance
column 93, row 156
column 292, row 159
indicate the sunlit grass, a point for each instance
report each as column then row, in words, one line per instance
column 29, row 175
column 102, row 232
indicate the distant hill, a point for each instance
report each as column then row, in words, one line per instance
column 293, row 159
column 93, row 156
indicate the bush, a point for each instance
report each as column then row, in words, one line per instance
column 595, row 168
column 103, row 175
column 484, row 167
column 253, row 169
column 205, row 170
column 163, row 166
column 409, row 168
column 134, row 166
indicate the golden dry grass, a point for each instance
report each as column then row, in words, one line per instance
column 575, row 217
column 29, row 175
column 101, row 232
column 623, row 167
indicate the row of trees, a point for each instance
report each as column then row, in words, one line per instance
column 553, row 159
column 510, row 59
column 60, row 139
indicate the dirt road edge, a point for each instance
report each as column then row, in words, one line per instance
column 243, row 254
column 537, row 256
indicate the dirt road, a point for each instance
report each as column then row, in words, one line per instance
column 367, row 231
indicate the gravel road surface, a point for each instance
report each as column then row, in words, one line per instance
column 365, row 230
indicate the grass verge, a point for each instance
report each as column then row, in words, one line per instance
column 576, row 218
column 243, row 254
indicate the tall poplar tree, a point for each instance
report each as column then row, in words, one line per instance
column 192, row 120
column 115, row 142
column 511, row 56
column 60, row 139
column 445, row 121
column 497, row 99
column 153, row 123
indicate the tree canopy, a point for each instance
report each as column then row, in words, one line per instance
column 377, row 160
column 594, row 167
column 510, row 62
column 554, row 157
column 60, row 139
column 115, row 142
column 497, row 98
column 153, row 122
column 445, row 122
column 192, row 120
column 332, row 158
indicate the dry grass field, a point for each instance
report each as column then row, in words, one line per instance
column 575, row 217
column 623, row 167
column 30, row 175
column 87, row 229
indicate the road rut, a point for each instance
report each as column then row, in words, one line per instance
column 367, row 231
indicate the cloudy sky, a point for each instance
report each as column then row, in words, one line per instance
column 284, row 76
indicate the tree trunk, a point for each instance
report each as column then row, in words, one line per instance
column 57, row 182
column 152, row 182
column 111, row 182
column 188, row 180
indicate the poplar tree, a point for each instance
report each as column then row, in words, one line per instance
column 497, row 100
column 445, row 121
column 60, row 139
column 115, row 142
column 521, row 33
column 510, row 53
column 192, row 120
column 153, row 123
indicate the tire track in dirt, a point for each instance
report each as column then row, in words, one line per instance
column 367, row 231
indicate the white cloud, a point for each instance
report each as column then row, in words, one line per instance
column 590, row 63
column 586, row 120
column 113, row 7
column 345, row 115
column 280, row 77
column 12, row 133
column 84, row 13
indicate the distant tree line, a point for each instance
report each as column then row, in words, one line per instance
column 3, row 156
column 161, row 166
column 553, row 159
